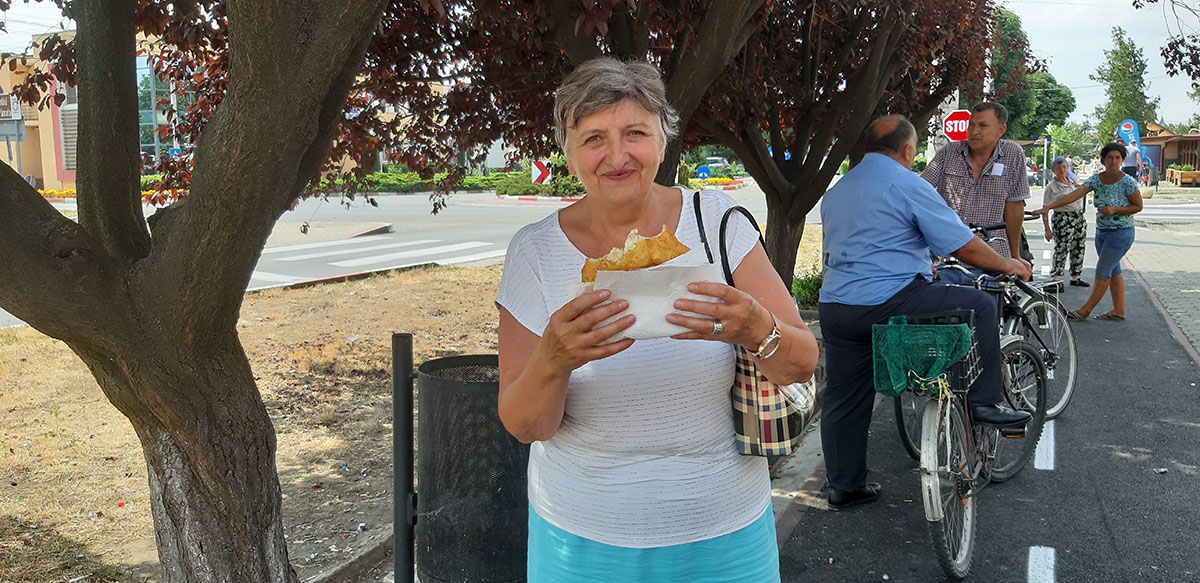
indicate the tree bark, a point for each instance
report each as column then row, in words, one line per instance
column 782, row 244
column 155, row 320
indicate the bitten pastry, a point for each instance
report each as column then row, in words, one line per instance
column 638, row 252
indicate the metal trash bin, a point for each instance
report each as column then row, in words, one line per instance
column 472, row 508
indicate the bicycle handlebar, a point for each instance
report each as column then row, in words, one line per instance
column 980, row 229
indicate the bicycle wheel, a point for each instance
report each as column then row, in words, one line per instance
column 1024, row 380
column 946, row 485
column 1048, row 320
column 909, row 408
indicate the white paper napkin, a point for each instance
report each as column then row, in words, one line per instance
column 651, row 293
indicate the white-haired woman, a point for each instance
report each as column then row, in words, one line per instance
column 634, row 473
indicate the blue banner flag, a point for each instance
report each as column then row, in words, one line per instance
column 1128, row 130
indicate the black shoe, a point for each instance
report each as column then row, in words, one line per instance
column 839, row 499
column 1080, row 283
column 998, row 415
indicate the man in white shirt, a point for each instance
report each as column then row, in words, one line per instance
column 1133, row 159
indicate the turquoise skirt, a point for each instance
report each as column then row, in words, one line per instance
column 749, row 555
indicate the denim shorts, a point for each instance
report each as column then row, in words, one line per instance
column 1112, row 244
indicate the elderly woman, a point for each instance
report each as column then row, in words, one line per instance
column 1069, row 230
column 634, row 474
column 1117, row 199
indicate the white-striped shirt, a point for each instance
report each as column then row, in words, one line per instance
column 645, row 455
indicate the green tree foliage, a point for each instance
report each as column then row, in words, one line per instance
column 1034, row 98
column 1075, row 139
column 1010, row 69
column 1123, row 73
column 1052, row 103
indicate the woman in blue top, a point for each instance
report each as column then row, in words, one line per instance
column 1117, row 199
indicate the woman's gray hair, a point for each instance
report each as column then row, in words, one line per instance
column 604, row 82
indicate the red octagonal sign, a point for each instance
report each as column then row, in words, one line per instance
column 955, row 125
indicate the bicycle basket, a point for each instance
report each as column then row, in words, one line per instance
column 925, row 353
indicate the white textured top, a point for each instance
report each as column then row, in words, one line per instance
column 645, row 455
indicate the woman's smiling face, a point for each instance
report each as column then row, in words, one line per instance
column 616, row 152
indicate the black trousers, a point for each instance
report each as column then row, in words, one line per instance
column 849, row 391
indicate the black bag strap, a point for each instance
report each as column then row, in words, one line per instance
column 700, row 225
column 724, row 222
column 724, row 254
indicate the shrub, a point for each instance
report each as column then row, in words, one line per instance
column 844, row 168
column 150, row 181
column 563, row 184
column 919, row 163
column 734, row 170
column 685, row 174
column 1189, row 168
column 806, row 287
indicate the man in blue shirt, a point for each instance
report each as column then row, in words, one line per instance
column 881, row 221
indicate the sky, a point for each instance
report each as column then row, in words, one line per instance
column 1070, row 35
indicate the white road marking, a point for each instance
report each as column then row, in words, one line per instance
column 475, row 257
column 1043, row 456
column 1041, row 565
column 276, row 277
column 358, row 250
column 1047, row 254
column 414, row 253
column 303, row 246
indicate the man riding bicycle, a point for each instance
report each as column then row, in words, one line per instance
column 880, row 223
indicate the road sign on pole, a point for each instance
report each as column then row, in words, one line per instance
column 955, row 125
column 10, row 108
column 540, row 173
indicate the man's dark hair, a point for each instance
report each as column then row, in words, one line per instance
column 895, row 138
column 1000, row 110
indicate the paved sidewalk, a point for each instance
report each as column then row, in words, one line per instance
column 1167, row 257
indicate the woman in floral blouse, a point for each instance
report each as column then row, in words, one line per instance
column 1117, row 199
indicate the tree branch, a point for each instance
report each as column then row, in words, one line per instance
column 54, row 275
column 109, row 189
column 289, row 72
column 578, row 48
column 722, row 34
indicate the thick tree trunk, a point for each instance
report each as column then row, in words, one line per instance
column 155, row 320
column 210, row 452
column 784, row 234
column 670, row 166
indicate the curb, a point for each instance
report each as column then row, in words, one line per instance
column 376, row 230
column 357, row 565
column 531, row 198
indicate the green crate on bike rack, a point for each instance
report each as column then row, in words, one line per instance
column 911, row 351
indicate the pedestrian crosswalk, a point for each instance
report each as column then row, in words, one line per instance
column 291, row 264
column 1170, row 213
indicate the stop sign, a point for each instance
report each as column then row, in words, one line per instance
column 955, row 125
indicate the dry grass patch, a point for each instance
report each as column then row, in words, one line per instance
column 72, row 472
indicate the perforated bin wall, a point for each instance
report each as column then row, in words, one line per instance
column 472, row 509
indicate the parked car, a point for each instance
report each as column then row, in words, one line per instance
column 716, row 162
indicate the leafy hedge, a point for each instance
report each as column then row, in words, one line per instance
column 1182, row 167
column 806, row 287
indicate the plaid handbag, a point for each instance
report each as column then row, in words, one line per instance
column 768, row 419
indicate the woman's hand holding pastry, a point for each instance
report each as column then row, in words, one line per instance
column 737, row 319
column 571, row 339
